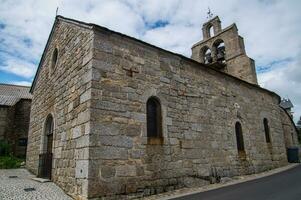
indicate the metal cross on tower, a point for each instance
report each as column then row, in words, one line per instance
column 209, row 14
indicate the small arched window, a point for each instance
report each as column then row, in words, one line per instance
column 208, row 57
column 49, row 134
column 239, row 137
column 205, row 55
column 54, row 59
column 220, row 50
column 210, row 30
column 49, row 125
column 266, row 130
column 154, row 119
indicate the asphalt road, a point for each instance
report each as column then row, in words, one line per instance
column 282, row 186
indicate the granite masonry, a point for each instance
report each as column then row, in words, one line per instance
column 123, row 119
column 15, row 104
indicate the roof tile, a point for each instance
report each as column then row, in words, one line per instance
column 11, row 94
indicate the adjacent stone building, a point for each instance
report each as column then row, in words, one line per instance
column 287, row 105
column 15, row 104
column 116, row 117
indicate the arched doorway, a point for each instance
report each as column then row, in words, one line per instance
column 45, row 158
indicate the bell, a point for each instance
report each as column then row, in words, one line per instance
column 220, row 56
column 208, row 59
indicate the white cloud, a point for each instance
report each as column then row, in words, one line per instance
column 285, row 81
column 271, row 30
column 19, row 67
column 166, row 36
column 23, row 83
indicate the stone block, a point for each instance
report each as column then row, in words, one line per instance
column 126, row 171
column 109, row 153
column 117, row 141
column 81, row 153
column 106, row 105
column 83, row 117
column 82, row 141
column 81, row 168
column 107, row 172
column 76, row 132
column 85, row 96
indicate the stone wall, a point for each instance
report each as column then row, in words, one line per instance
column 97, row 94
column 6, row 121
column 14, row 122
column 21, row 126
column 200, row 107
column 64, row 93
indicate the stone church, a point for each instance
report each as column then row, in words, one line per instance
column 115, row 117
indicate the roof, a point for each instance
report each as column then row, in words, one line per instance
column 290, row 118
column 104, row 29
column 286, row 104
column 11, row 94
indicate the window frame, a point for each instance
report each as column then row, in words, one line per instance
column 239, row 137
column 266, row 130
column 155, row 119
column 54, row 60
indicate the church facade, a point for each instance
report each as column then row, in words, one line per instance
column 113, row 116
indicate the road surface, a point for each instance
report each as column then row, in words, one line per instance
column 282, row 186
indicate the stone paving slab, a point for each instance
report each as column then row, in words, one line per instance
column 235, row 180
column 13, row 188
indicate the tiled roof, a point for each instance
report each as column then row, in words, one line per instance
column 11, row 94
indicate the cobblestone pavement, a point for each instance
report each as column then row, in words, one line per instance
column 13, row 188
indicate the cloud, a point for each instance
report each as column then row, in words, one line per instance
column 165, row 37
column 271, row 30
column 285, row 81
column 19, row 67
column 23, row 83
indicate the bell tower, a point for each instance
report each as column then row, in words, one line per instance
column 224, row 49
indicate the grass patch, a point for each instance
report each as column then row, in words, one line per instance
column 10, row 162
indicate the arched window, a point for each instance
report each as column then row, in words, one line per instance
column 266, row 130
column 210, row 30
column 220, row 50
column 239, row 137
column 54, row 59
column 154, row 119
column 49, row 133
column 49, row 125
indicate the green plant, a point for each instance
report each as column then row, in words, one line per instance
column 5, row 148
column 9, row 162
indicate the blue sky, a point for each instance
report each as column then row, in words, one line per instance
column 271, row 30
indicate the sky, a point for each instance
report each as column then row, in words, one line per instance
column 271, row 31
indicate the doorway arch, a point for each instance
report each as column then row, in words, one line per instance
column 45, row 158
